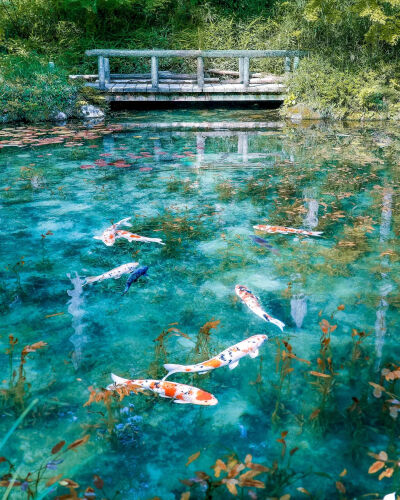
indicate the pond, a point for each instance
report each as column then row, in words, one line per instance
column 317, row 410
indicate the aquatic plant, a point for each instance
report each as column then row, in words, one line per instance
column 18, row 386
column 202, row 347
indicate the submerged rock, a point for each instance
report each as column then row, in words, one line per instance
column 88, row 111
column 59, row 116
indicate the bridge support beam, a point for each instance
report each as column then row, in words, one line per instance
column 154, row 72
column 287, row 64
column 107, row 70
column 244, row 73
column 102, row 74
column 200, row 72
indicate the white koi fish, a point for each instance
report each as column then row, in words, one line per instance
column 180, row 393
column 108, row 237
column 253, row 303
column 230, row 357
column 114, row 273
column 285, row 230
column 135, row 237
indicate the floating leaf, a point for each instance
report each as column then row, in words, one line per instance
column 376, row 466
column 340, row 487
column 319, row 374
column 192, row 458
column 79, row 442
column 53, row 479
column 386, row 473
column 57, row 447
column 343, row 473
column 98, row 482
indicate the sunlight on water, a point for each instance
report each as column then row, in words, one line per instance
column 202, row 191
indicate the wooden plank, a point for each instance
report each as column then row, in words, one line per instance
column 200, row 97
column 154, row 71
column 200, row 72
column 195, row 53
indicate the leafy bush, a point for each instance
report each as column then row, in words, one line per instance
column 31, row 90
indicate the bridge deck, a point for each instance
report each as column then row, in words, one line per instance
column 120, row 90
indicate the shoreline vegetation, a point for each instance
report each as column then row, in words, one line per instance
column 352, row 72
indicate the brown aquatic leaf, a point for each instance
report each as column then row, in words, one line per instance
column 33, row 347
column 231, row 485
column 386, row 473
column 250, row 474
column 57, row 447
column 69, row 483
column 303, row 490
column 53, row 479
column 98, row 482
column 234, row 471
column 376, row 466
column 319, row 374
column 202, row 475
column 3, row 459
column 341, row 307
column 293, row 450
column 340, row 487
column 378, row 389
column 247, row 460
column 284, row 434
column 187, row 482
column 185, row 495
column 315, row 414
column 343, row 473
column 252, row 483
column 259, row 467
column 218, row 467
column 89, row 493
column 79, row 442
column 285, row 497
column 192, row 458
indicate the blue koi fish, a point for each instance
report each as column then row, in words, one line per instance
column 264, row 243
column 134, row 276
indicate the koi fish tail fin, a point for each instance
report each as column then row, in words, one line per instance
column 117, row 381
column 158, row 240
column 171, row 368
column 275, row 321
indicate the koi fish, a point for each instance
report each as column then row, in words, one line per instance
column 285, row 230
column 134, row 276
column 108, row 236
column 264, row 243
column 135, row 237
column 253, row 303
column 230, row 357
column 114, row 273
column 180, row 393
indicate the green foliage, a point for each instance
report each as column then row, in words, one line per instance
column 30, row 90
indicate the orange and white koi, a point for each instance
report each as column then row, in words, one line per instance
column 135, row 237
column 285, row 230
column 108, row 237
column 253, row 303
column 180, row 393
column 114, row 273
column 230, row 357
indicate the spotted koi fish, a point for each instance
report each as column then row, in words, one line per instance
column 180, row 393
column 114, row 273
column 285, row 230
column 135, row 237
column 108, row 237
column 254, row 305
column 230, row 357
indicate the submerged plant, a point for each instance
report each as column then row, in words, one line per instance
column 18, row 387
column 202, row 348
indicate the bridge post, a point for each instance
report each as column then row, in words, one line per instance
column 200, row 72
column 296, row 61
column 102, row 75
column 287, row 64
column 246, row 72
column 241, row 65
column 107, row 69
column 154, row 72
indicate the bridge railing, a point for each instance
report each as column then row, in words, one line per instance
column 291, row 60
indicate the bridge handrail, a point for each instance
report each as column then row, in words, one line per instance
column 195, row 53
column 244, row 57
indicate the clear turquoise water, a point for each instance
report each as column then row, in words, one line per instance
column 202, row 192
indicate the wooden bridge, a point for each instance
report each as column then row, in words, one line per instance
column 204, row 86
